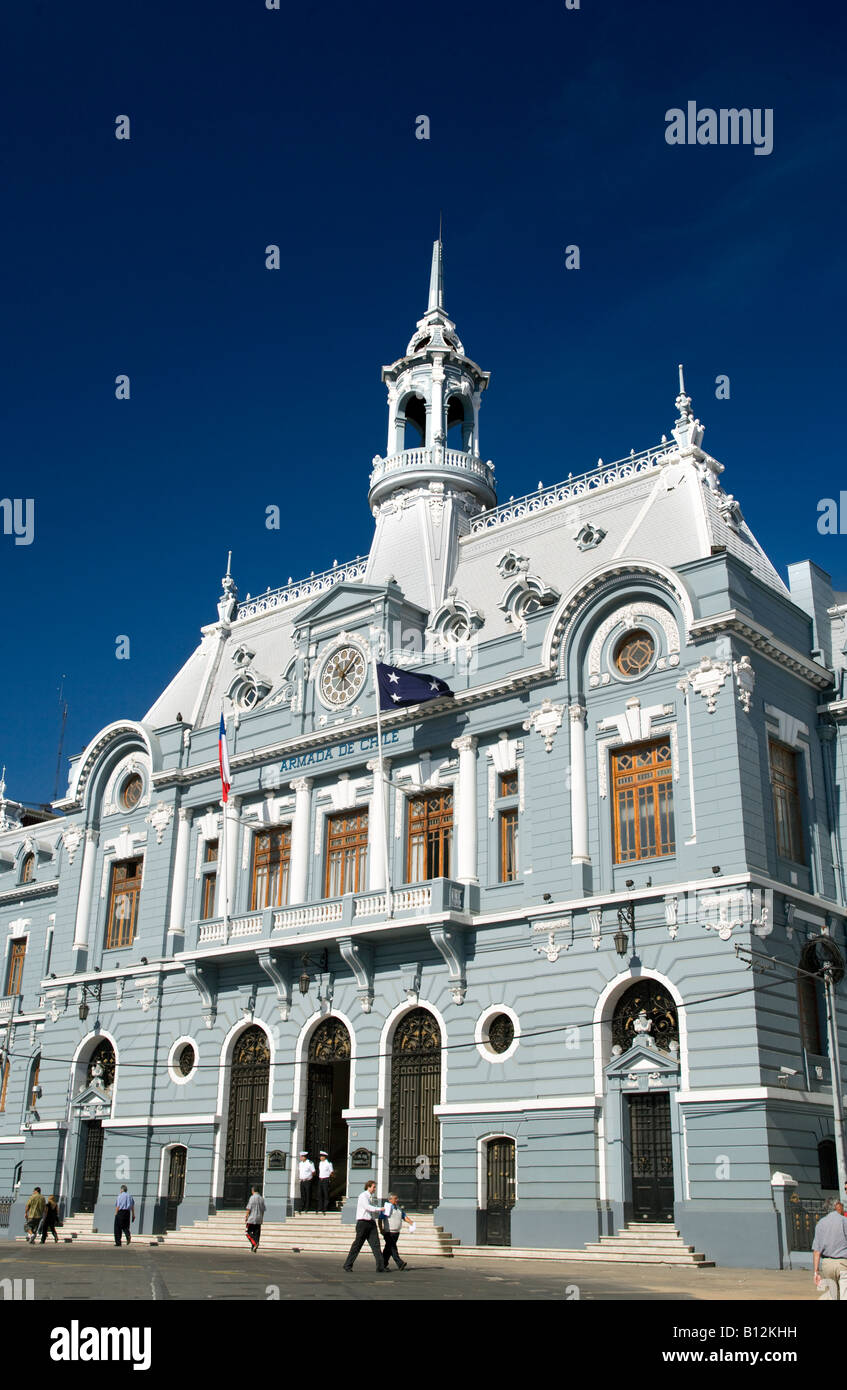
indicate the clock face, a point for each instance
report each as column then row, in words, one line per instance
column 342, row 676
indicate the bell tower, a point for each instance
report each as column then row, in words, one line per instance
column 432, row 479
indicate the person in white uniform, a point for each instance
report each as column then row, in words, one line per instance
column 307, row 1172
column 366, row 1210
column 325, row 1172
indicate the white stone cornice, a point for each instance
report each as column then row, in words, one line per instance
column 763, row 640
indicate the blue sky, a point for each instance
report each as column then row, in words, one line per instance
column 250, row 387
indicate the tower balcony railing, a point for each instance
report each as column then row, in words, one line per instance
column 434, row 459
column 603, row 475
column 276, row 924
column 350, row 572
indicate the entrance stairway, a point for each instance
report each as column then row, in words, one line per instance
column 638, row 1243
column 306, row 1232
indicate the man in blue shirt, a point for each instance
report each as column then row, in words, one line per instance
column 124, row 1213
column 830, row 1249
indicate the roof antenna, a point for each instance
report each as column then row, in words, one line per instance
column 64, row 708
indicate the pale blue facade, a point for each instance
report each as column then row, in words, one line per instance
column 521, row 610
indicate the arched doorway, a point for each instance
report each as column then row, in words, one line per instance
column 413, row 1160
column 646, row 1013
column 176, row 1185
column 328, row 1095
column 99, row 1080
column 245, row 1135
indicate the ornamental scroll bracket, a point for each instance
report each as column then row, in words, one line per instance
column 278, row 970
column 359, row 956
column 205, row 980
column 546, row 721
column 451, row 946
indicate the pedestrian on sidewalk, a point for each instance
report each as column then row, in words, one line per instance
column 255, row 1217
column 124, row 1215
column 50, row 1220
column 366, row 1228
column 829, row 1249
column 325, row 1172
column 33, row 1214
column 393, row 1217
column 307, row 1172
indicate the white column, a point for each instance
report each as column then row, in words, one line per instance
column 300, row 834
column 377, row 822
column 180, row 875
column 86, row 888
column 466, row 830
column 579, row 787
column 437, row 424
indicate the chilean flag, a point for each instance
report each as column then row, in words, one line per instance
column 223, row 759
column 398, row 688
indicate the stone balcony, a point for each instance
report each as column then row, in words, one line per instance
column 9, row 1006
column 427, row 464
column 440, row 897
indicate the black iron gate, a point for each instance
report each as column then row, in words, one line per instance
column 91, row 1161
column 176, row 1186
column 500, row 1192
column 651, row 1153
column 245, row 1135
column 328, row 1095
column 413, row 1162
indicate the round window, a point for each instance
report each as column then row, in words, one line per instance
column 185, row 1061
column 131, row 792
column 634, row 653
column 501, row 1033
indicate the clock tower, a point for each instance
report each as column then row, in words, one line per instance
column 433, row 479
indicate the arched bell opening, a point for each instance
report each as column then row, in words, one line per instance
column 460, row 424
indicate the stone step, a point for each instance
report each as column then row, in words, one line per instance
column 574, row 1256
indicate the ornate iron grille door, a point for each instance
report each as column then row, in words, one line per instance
column 501, row 1191
column 328, row 1095
column 91, row 1165
column 176, row 1186
column 245, row 1137
column 651, row 1152
column 415, row 1090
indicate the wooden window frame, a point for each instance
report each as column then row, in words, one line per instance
column 785, row 771
column 15, row 972
column 4, row 1085
column 663, row 845
column 28, row 868
column 271, row 867
column 508, row 819
column 429, row 834
column 117, row 932
column 209, row 874
column 346, row 849
column 34, row 1082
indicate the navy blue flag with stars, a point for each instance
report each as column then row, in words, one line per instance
column 398, row 687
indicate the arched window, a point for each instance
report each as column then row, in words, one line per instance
column 459, row 423
column 27, row 868
column 810, row 1006
column 650, row 998
column 828, row 1165
column 414, row 423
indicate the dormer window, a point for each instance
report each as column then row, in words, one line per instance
column 28, row 868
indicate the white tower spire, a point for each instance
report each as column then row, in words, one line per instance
column 434, row 393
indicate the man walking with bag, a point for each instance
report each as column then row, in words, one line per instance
column 255, row 1217
column 366, row 1228
column 33, row 1214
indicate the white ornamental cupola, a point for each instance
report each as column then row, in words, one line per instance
column 433, row 466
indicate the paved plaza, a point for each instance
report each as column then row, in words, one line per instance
column 142, row 1272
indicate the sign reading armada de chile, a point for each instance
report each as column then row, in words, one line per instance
column 340, row 750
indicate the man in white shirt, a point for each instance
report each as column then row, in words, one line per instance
column 307, row 1172
column 366, row 1230
column 255, row 1217
column 325, row 1172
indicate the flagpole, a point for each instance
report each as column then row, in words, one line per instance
column 389, row 905
column 224, row 859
